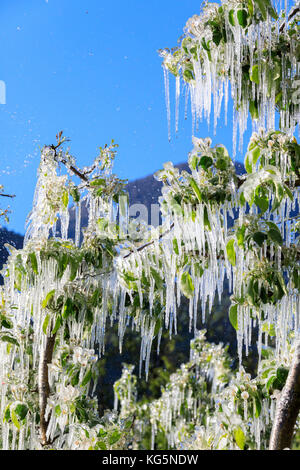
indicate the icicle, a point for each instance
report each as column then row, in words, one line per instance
column 167, row 97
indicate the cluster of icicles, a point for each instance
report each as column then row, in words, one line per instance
column 30, row 328
column 216, row 433
column 207, row 365
column 202, row 245
column 181, row 405
column 217, row 76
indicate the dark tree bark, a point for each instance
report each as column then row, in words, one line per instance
column 288, row 407
column 44, row 388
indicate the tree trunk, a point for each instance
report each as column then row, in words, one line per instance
column 288, row 407
column 44, row 388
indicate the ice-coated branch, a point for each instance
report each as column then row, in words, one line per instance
column 70, row 167
column 290, row 17
column 43, row 386
column 288, row 407
column 141, row 248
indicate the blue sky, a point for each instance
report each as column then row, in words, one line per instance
column 90, row 68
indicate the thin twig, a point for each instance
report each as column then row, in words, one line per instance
column 75, row 170
column 8, row 195
column 291, row 16
column 141, row 248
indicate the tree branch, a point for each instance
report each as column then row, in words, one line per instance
column 141, row 248
column 288, row 407
column 8, row 195
column 291, row 16
column 44, row 388
column 71, row 167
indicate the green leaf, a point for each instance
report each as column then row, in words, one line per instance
column 230, row 250
column 114, row 437
column 288, row 192
column 188, row 75
column 158, row 280
column 253, row 108
column 75, row 378
column 21, row 410
column 272, row 225
column 100, row 445
column 74, row 264
column 5, row 322
column 262, row 203
column 278, row 97
column 233, row 316
column 102, row 433
column 254, row 76
column 275, row 236
column 14, row 419
column 193, row 162
column 98, row 182
column 296, row 278
column 75, row 194
column 206, row 219
column 259, row 238
column 269, row 328
column 65, row 198
column 158, row 326
column 282, row 374
column 57, row 325
column 9, row 339
column 186, row 285
column 196, row 189
column 175, row 246
column 33, row 261
column 262, row 6
column 102, row 224
column 257, row 410
column 198, row 270
column 6, row 416
column 242, row 17
column 255, row 155
column 86, row 378
column 217, row 37
column 177, row 209
column 46, row 323
column 240, row 438
column 68, row 309
column 240, row 235
column 47, row 299
column 250, row 7
column 231, row 17
column 270, row 382
column 205, row 162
